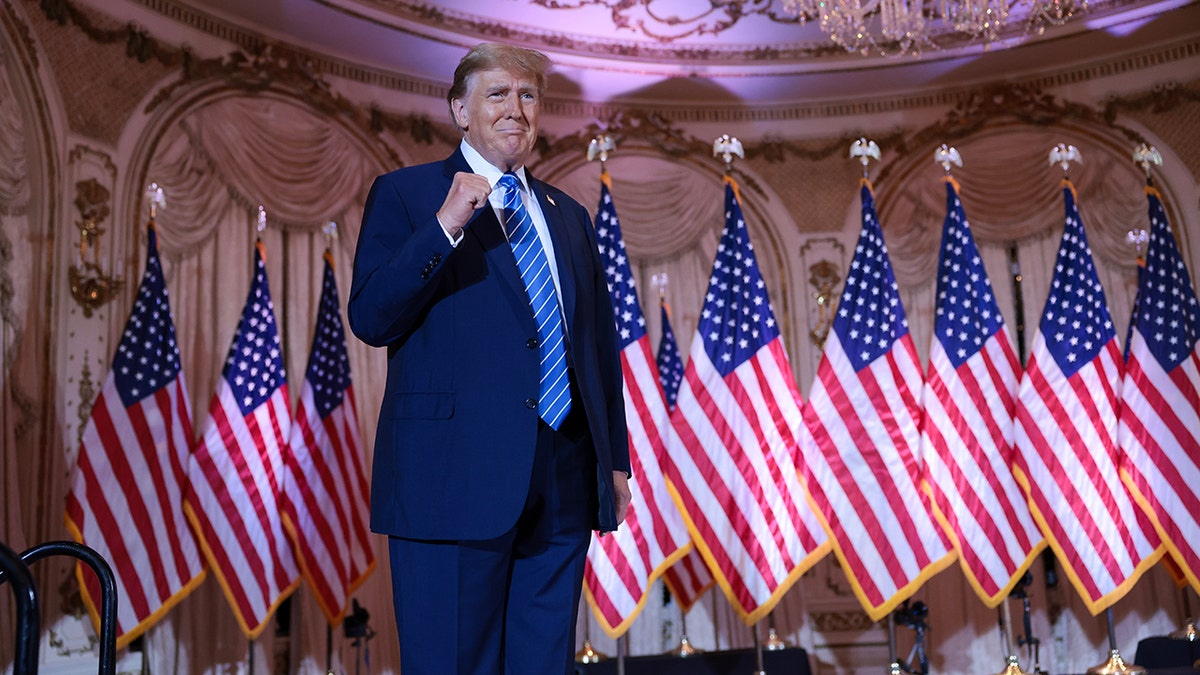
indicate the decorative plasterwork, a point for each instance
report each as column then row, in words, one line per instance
column 653, row 36
column 1160, row 98
column 632, row 15
column 1023, row 103
column 328, row 66
column 265, row 64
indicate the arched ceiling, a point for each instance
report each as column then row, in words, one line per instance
column 693, row 52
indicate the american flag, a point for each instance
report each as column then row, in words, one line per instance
column 861, row 436
column 1160, row 415
column 1066, row 432
column 669, row 362
column 623, row 565
column 236, row 473
column 127, row 489
column 969, row 402
column 733, row 465
column 325, row 497
column 689, row 578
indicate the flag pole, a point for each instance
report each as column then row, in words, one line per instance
column 891, row 635
column 947, row 156
column 587, row 653
column 685, row 648
column 329, row 649
column 598, row 148
column 758, row 653
column 622, row 647
column 716, row 627
column 774, row 642
column 725, row 147
column 1012, row 663
column 1115, row 665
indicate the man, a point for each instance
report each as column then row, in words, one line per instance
column 501, row 440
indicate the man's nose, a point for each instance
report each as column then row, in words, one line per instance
column 515, row 108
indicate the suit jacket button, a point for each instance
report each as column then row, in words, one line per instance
column 531, row 403
column 437, row 258
column 424, row 274
column 532, row 343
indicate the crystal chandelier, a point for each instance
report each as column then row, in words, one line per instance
column 910, row 26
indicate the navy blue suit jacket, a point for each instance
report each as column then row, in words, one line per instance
column 455, row 443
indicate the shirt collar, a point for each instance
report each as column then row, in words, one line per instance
column 486, row 169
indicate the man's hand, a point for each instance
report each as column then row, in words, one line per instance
column 468, row 192
column 621, row 494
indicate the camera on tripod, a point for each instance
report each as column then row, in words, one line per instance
column 913, row 615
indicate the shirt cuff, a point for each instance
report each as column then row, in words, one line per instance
column 449, row 237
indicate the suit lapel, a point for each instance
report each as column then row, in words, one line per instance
column 560, row 234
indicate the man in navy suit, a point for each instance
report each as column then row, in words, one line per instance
column 488, row 507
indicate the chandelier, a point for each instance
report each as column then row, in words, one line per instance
column 911, row 26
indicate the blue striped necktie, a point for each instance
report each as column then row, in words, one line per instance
column 554, row 395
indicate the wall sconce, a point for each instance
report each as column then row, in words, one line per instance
column 823, row 276
column 91, row 286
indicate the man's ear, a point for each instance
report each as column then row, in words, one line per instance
column 459, row 108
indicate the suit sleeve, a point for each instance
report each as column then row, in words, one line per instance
column 400, row 253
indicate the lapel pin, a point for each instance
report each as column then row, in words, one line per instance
column 551, row 200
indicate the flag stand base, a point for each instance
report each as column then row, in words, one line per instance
column 587, row 654
column 1115, row 665
column 1013, row 668
column 684, row 648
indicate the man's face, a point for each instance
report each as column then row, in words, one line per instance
column 499, row 116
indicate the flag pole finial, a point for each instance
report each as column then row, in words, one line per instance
column 599, row 147
column 946, row 156
column 262, row 220
column 154, row 195
column 1063, row 154
column 865, row 150
column 1137, row 237
column 330, row 230
column 726, row 147
column 660, row 282
column 1145, row 155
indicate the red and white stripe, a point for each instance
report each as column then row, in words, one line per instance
column 1160, row 440
column 236, row 478
column 966, row 444
column 860, row 443
column 622, row 565
column 126, row 503
column 1066, row 441
column 326, row 502
column 734, row 472
column 688, row 579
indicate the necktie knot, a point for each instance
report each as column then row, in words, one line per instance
column 511, row 187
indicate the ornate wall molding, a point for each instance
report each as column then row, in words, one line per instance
column 143, row 47
column 1000, row 103
column 1159, row 99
